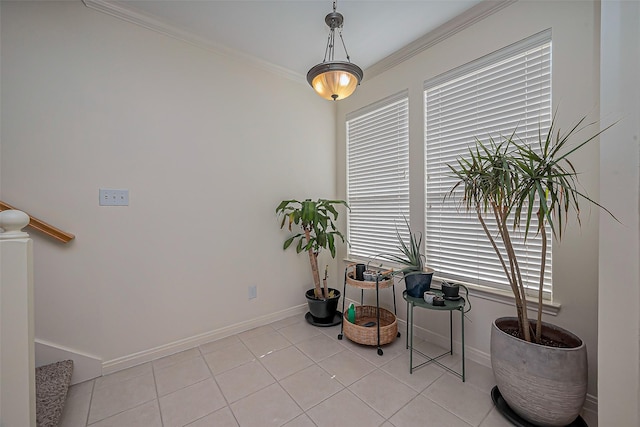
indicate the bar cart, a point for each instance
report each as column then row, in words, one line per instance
column 373, row 325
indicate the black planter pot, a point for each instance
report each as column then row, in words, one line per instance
column 323, row 311
column 418, row 283
column 450, row 290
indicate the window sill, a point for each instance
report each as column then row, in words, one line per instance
column 506, row 297
column 490, row 294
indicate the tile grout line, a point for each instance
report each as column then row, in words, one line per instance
column 155, row 385
column 381, row 370
column 122, row 412
column 93, row 386
column 133, row 407
column 228, row 405
column 376, row 368
column 442, row 407
column 486, row 416
column 304, row 412
column 316, row 363
column 277, row 381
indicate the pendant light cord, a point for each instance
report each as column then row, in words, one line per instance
column 343, row 45
column 335, row 5
column 329, row 51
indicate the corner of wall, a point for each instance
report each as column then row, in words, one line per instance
column 85, row 366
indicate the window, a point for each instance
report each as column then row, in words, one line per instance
column 378, row 176
column 493, row 96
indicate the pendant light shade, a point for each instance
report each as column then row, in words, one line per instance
column 334, row 80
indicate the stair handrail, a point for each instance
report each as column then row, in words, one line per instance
column 42, row 226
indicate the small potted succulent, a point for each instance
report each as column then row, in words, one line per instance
column 417, row 276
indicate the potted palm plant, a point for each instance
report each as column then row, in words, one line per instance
column 317, row 231
column 540, row 368
column 416, row 276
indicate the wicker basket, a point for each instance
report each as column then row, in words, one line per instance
column 369, row 335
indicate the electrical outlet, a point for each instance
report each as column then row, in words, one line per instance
column 253, row 291
column 114, row 197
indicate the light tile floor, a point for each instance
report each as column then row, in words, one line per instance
column 292, row 374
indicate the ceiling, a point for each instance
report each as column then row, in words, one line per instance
column 292, row 35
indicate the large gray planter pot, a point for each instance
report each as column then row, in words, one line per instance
column 546, row 386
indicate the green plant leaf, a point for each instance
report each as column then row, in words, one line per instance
column 318, row 218
column 288, row 242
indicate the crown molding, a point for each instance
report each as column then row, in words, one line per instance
column 471, row 16
column 466, row 19
column 146, row 21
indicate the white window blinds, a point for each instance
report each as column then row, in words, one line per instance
column 378, row 176
column 491, row 97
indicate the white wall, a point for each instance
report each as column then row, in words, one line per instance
column 207, row 148
column 575, row 32
column 619, row 296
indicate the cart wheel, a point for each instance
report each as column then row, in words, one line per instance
column 399, row 334
column 339, row 336
column 379, row 352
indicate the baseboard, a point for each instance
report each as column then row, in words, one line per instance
column 85, row 366
column 128, row 361
column 591, row 404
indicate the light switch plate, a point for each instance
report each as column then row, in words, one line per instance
column 110, row 197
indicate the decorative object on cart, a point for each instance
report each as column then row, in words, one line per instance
column 447, row 292
column 428, row 297
column 372, row 325
column 437, row 301
column 528, row 188
column 417, row 277
column 351, row 313
column 319, row 231
column 369, row 276
column 373, row 275
column 450, row 291
column 360, row 269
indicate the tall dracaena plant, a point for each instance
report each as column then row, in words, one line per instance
column 522, row 187
column 316, row 219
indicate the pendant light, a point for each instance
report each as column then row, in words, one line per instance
column 334, row 80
